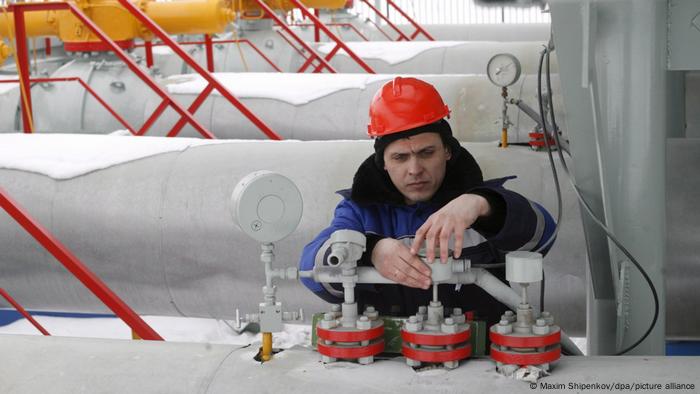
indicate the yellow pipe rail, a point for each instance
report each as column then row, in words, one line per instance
column 175, row 17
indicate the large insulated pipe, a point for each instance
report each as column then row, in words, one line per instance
column 67, row 365
column 157, row 227
column 298, row 106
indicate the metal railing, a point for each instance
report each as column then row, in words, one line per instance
column 451, row 12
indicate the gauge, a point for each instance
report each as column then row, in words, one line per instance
column 266, row 206
column 503, row 69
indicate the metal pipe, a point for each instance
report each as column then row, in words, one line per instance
column 266, row 353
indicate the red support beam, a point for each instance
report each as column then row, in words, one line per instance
column 22, row 61
column 148, row 48
column 192, row 108
column 209, row 50
column 313, row 55
column 78, row 269
column 317, row 33
column 402, row 35
column 305, row 11
column 419, row 28
column 340, row 24
column 23, row 312
column 165, row 38
column 87, row 88
column 242, row 41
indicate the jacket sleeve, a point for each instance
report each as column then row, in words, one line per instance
column 516, row 222
column 346, row 217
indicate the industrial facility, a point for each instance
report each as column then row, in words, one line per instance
column 205, row 196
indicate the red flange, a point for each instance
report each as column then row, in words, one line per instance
column 437, row 355
column 437, row 339
column 95, row 46
column 512, row 340
column 337, row 335
column 351, row 352
column 511, row 357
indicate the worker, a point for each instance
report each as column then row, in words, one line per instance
column 422, row 194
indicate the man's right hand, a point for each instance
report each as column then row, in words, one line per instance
column 394, row 261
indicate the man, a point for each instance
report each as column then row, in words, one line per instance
column 421, row 187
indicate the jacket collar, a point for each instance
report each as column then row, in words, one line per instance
column 372, row 185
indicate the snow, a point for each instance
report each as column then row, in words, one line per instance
column 6, row 87
column 173, row 329
column 65, row 156
column 389, row 51
column 295, row 89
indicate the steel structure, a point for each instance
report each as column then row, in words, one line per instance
column 402, row 36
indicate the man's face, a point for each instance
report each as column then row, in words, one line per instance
column 416, row 165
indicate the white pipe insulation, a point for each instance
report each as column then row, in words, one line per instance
column 296, row 106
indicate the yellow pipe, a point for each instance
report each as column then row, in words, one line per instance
column 251, row 5
column 191, row 17
column 5, row 51
column 266, row 346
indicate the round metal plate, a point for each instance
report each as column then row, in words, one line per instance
column 351, row 352
column 339, row 335
column 520, row 341
column 437, row 339
column 437, row 356
column 266, row 206
column 510, row 357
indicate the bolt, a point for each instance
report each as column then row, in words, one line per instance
column 449, row 321
column 327, row 316
column 457, row 311
column 335, row 308
column 413, row 319
column 365, row 318
column 369, row 309
column 503, row 322
column 541, row 322
column 422, row 310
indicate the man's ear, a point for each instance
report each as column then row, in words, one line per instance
column 448, row 152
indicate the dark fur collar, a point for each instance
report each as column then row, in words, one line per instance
column 371, row 184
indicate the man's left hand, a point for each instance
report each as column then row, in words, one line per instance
column 455, row 217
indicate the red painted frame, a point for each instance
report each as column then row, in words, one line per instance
column 185, row 116
column 402, row 35
column 341, row 24
column 23, row 312
column 84, row 85
column 339, row 44
column 148, row 44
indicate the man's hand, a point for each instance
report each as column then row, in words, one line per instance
column 394, row 261
column 455, row 217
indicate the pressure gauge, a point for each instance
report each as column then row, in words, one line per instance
column 503, row 69
column 266, row 206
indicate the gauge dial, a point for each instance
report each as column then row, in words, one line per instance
column 503, row 69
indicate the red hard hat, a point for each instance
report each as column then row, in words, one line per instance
column 404, row 104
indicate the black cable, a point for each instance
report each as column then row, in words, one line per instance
column 585, row 204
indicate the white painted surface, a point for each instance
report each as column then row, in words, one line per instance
column 391, row 52
column 294, row 89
